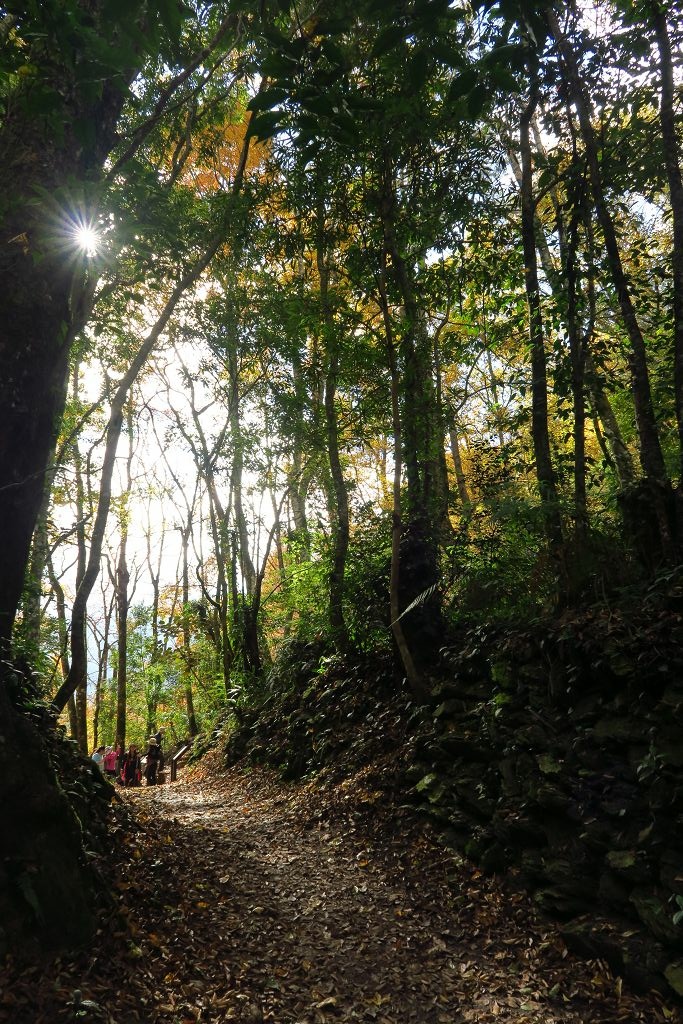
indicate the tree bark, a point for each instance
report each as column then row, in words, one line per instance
column 341, row 500
column 237, row 473
column 46, row 293
column 81, row 687
column 122, row 579
column 651, row 456
column 545, row 474
column 460, row 478
column 618, row 454
column 673, row 173
column 413, row 675
column 192, row 728
column 78, row 613
column 422, row 448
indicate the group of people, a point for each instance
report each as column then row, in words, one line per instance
column 126, row 767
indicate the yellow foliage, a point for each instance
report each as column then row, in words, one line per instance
column 212, row 164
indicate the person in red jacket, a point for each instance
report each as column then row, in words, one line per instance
column 109, row 763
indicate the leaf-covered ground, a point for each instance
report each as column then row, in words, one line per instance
column 240, row 899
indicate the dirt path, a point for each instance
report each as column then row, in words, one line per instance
column 246, row 904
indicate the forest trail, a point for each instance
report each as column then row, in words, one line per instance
column 252, row 901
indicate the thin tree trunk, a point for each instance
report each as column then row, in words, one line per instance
column 651, row 456
column 102, row 665
column 460, row 479
column 62, row 627
column 618, row 454
column 187, row 639
column 539, row 385
column 98, row 696
column 426, row 506
column 237, row 472
column 78, row 614
column 186, row 653
column 341, row 524
column 122, row 597
column 440, row 418
column 415, row 681
column 670, row 137
column 577, row 353
column 81, row 690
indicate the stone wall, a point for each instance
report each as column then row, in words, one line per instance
column 560, row 756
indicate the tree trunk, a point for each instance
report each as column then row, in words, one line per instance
column 78, row 614
column 298, row 474
column 62, row 626
column 441, row 432
column 102, row 666
column 619, row 453
column 651, row 455
column 670, row 136
column 341, row 500
column 545, row 474
column 46, row 295
column 187, row 639
column 122, row 580
column 413, row 676
column 577, row 354
column 41, row 853
column 421, row 444
column 460, row 478
column 31, row 604
column 81, row 688
column 237, row 438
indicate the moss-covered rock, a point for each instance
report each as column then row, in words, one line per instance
column 673, row 973
column 654, row 910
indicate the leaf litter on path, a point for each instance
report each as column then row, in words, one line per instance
column 241, row 899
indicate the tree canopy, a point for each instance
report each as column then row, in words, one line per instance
column 345, row 324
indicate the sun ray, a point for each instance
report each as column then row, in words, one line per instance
column 86, row 237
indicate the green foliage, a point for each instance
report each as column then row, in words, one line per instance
column 498, row 561
column 367, row 582
column 389, row 133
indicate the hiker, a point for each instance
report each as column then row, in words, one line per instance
column 130, row 767
column 110, row 759
column 153, row 761
column 98, row 758
column 159, row 737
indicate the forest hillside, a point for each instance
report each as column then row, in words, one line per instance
column 240, row 898
column 341, row 376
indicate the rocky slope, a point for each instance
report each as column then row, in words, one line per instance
column 553, row 754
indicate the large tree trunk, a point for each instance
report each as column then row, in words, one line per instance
column 46, row 292
column 42, row 873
